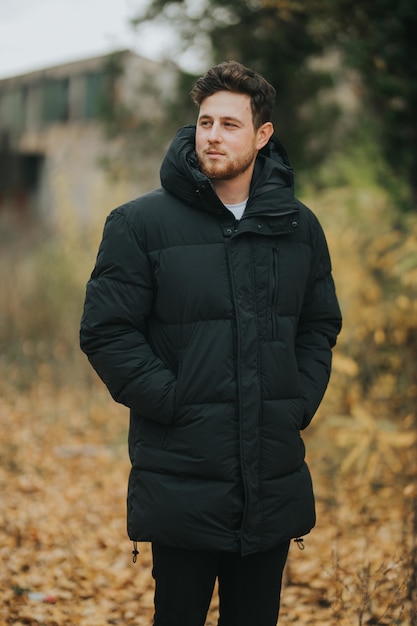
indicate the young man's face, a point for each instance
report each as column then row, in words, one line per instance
column 226, row 141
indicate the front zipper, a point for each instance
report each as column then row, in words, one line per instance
column 239, row 390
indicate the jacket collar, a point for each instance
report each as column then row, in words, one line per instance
column 272, row 187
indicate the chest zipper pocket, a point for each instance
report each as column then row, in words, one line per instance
column 274, row 292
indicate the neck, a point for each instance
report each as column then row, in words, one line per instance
column 234, row 190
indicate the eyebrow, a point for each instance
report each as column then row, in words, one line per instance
column 224, row 118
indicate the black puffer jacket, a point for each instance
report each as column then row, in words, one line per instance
column 217, row 335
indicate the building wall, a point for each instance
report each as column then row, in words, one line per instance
column 53, row 140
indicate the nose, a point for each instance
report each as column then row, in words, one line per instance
column 214, row 135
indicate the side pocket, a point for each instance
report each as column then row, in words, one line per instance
column 177, row 403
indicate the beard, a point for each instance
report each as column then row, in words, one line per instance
column 225, row 169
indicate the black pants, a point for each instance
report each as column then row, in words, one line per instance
column 249, row 587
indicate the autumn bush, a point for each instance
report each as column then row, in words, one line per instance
column 64, row 555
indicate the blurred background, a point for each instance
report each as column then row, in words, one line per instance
column 90, row 96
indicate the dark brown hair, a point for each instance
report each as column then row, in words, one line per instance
column 233, row 76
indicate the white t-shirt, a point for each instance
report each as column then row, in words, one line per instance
column 237, row 209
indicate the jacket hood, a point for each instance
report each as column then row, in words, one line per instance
column 272, row 180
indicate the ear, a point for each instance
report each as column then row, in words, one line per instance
column 264, row 134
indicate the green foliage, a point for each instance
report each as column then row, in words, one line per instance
column 358, row 162
column 377, row 38
column 280, row 38
column 275, row 41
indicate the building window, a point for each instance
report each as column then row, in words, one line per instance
column 94, row 94
column 12, row 109
column 55, row 101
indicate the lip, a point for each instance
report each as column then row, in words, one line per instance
column 214, row 153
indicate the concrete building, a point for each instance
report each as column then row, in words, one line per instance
column 61, row 126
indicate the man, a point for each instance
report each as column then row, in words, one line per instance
column 211, row 314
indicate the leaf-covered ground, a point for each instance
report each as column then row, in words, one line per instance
column 65, row 559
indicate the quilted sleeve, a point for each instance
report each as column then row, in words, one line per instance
column 113, row 335
column 320, row 323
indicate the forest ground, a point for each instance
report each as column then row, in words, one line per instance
column 65, row 559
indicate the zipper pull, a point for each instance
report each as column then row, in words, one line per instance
column 300, row 543
column 135, row 551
